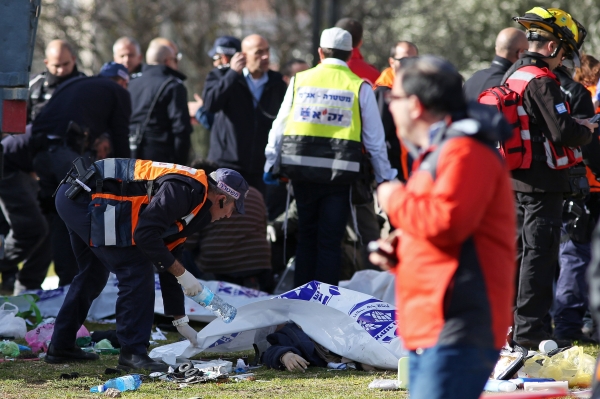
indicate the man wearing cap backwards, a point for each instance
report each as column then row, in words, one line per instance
column 100, row 106
column 327, row 115
column 551, row 148
column 128, row 216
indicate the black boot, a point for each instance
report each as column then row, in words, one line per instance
column 130, row 361
column 74, row 354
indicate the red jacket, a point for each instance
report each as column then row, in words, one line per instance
column 455, row 280
column 362, row 69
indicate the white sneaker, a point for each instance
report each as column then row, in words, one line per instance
column 19, row 288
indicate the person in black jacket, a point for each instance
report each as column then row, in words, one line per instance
column 245, row 99
column 61, row 65
column 100, row 105
column 160, row 132
column 571, row 294
column 510, row 43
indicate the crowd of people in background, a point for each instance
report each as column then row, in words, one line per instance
column 313, row 142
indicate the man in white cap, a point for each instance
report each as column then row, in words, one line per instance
column 327, row 116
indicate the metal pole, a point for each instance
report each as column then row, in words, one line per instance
column 333, row 12
column 316, row 29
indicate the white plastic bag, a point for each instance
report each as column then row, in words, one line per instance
column 10, row 324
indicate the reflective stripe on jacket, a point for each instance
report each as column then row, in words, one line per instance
column 322, row 139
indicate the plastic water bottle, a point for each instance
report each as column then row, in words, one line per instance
column 124, row 383
column 213, row 302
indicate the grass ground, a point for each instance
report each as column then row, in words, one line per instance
column 37, row 379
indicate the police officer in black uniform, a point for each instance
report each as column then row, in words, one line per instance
column 100, row 108
column 160, row 124
column 60, row 66
column 510, row 43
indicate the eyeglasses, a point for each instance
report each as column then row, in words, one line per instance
column 389, row 97
column 216, row 57
column 399, row 59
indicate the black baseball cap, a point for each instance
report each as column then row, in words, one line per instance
column 231, row 182
column 227, row 45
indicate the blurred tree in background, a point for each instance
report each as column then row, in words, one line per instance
column 462, row 31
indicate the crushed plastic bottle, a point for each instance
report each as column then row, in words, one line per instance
column 124, row 383
column 214, row 303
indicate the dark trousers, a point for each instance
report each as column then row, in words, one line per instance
column 323, row 211
column 135, row 302
column 172, row 294
column 539, row 220
column 19, row 204
column 51, row 166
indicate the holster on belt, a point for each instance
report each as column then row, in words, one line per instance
column 78, row 177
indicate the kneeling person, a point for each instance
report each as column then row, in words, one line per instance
column 124, row 215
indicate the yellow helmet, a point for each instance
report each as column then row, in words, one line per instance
column 559, row 23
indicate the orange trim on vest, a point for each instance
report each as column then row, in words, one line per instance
column 386, row 79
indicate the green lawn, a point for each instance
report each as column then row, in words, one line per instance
column 21, row 379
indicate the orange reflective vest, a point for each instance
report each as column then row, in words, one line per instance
column 557, row 157
column 123, row 188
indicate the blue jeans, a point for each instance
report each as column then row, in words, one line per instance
column 323, row 210
column 450, row 371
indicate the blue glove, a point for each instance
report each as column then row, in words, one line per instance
column 271, row 180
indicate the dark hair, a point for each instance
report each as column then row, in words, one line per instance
column 286, row 69
column 409, row 44
column 207, row 166
column 436, row 83
column 336, row 53
column 354, row 27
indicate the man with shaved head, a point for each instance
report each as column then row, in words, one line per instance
column 160, row 126
column 127, row 51
column 510, row 43
column 245, row 98
column 61, row 65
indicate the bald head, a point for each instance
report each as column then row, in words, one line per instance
column 161, row 56
column 60, row 58
column 510, row 43
column 402, row 49
column 256, row 49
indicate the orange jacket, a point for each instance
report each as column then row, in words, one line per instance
column 455, row 279
column 385, row 79
column 361, row 68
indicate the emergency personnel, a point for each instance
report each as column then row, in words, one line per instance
column 327, row 115
column 61, row 65
column 571, row 293
column 397, row 154
column 157, row 206
column 551, row 148
column 510, row 44
column 160, row 126
column 98, row 105
column 456, row 250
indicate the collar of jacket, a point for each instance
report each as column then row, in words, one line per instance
column 157, row 70
column 539, row 57
column 386, row 78
column 500, row 63
column 356, row 55
column 273, row 77
column 54, row 81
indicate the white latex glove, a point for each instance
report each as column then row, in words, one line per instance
column 294, row 362
column 189, row 333
column 191, row 286
column 271, row 233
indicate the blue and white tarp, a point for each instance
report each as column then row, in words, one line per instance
column 104, row 306
column 349, row 323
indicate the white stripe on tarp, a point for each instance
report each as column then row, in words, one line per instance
column 317, row 162
column 110, row 225
column 109, row 167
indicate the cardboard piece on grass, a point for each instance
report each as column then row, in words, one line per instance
column 349, row 323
